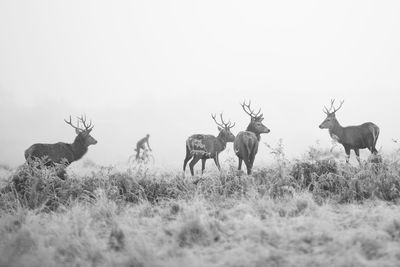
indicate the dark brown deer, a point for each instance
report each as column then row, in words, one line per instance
column 205, row 146
column 351, row 137
column 246, row 143
column 64, row 153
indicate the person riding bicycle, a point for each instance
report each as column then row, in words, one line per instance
column 141, row 145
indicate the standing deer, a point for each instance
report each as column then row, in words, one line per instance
column 246, row 143
column 205, row 146
column 64, row 152
column 351, row 137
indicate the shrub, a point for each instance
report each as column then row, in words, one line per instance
column 307, row 173
column 152, row 189
column 36, row 186
column 196, row 232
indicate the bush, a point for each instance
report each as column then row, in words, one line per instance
column 349, row 184
column 36, row 186
column 308, row 173
column 195, row 231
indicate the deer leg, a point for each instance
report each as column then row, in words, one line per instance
column 203, row 165
column 357, row 151
column 248, row 166
column 347, row 150
column 240, row 164
column 187, row 158
column 251, row 160
column 251, row 163
column 217, row 163
column 192, row 163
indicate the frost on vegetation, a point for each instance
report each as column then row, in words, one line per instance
column 313, row 211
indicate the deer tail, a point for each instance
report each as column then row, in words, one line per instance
column 250, row 147
column 375, row 135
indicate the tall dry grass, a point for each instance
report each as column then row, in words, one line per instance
column 314, row 211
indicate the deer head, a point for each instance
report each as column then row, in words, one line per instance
column 83, row 134
column 330, row 120
column 224, row 128
column 256, row 124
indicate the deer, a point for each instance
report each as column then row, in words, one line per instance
column 246, row 142
column 351, row 137
column 64, row 153
column 205, row 146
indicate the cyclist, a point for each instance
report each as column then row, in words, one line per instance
column 141, row 145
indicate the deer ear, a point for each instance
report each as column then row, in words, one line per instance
column 77, row 131
column 219, row 128
column 86, row 133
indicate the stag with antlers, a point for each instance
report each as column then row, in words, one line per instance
column 351, row 137
column 64, row 153
column 202, row 146
column 246, row 142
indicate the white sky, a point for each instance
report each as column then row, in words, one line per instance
column 161, row 67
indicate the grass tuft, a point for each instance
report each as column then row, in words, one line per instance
column 314, row 211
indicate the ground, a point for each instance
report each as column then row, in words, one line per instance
column 145, row 218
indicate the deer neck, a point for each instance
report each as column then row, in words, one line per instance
column 252, row 129
column 336, row 131
column 78, row 147
column 221, row 142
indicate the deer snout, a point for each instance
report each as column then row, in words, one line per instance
column 320, row 126
column 268, row 130
column 91, row 141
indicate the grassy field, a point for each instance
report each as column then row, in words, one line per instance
column 315, row 211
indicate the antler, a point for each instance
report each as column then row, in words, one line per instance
column 73, row 126
column 336, row 109
column 223, row 124
column 83, row 120
column 250, row 111
column 328, row 111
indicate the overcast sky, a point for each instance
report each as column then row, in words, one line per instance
column 161, row 67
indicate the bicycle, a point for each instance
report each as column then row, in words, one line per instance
column 144, row 158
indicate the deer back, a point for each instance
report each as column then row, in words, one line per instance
column 361, row 136
column 203, row 144
column 55, row 153
column 246, row 145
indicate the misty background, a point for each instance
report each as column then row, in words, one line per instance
column 162, row 67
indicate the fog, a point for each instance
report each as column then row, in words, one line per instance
column 161, row 67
